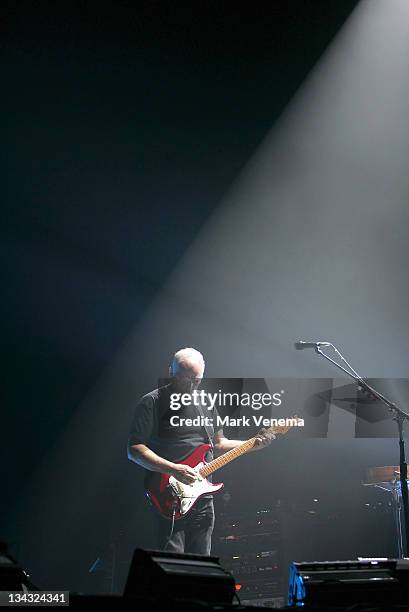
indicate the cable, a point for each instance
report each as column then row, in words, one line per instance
column 172, row 527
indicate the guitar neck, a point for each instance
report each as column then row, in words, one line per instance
column 218, row 463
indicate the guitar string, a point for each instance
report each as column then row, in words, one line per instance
column 227, row 457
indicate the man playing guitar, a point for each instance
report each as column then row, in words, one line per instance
column 158, row 447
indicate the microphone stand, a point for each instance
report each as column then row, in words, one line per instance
column 398, row 415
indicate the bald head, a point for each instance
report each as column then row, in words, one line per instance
column 187, row 369
column 188, row 362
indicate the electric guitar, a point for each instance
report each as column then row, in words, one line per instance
column 174, row 499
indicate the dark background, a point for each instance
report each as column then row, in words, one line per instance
column 123, row 127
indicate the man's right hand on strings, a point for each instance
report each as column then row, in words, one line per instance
column 184, row 473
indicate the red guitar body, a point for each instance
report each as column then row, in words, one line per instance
column 169, row 496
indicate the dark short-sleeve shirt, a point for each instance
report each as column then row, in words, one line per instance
column 151, row 425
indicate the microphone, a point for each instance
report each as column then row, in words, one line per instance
column 300, row 345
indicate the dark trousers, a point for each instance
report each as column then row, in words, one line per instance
column 192, row 533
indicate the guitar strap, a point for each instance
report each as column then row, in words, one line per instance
column 209, row 433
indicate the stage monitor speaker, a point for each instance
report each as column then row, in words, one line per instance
column 157, row 574
column 349, row 582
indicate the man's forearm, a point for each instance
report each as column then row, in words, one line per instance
column 226, row 444
column 144, row 456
